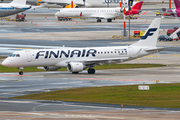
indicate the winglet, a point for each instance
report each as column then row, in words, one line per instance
column 151, row 35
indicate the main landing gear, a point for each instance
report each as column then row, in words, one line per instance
column 98, row 20
column 109, row 20
column 21, row 71
column 91, row 71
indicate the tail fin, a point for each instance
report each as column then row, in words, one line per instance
column 177, row 4
column 151, row 35
column 39, row 2
column 138, row 5
column 21, row 2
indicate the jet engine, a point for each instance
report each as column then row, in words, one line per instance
column 51, row 68
column 75, row 67
column 119, row 10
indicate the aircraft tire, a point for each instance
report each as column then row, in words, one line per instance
column 109, row 20
column 21, row 73
column 91, row 71
column 98, row 20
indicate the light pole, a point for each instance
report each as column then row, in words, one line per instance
column 84, row 5
column 130, row 3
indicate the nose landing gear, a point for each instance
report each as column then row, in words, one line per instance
column 21, row 70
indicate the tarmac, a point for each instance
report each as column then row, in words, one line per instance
column 41, row 32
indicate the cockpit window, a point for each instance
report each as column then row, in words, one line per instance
column 17, row 55
column 14, row 55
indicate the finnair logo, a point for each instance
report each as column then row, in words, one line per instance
column 66, row 53
column 148, row 33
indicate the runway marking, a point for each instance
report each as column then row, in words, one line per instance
column 152, row 56
column 111, row 79
column 13, row 75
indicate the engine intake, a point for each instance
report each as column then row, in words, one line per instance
column 75, row 67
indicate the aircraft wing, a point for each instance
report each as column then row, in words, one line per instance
column 100, row 61
column 102, row 16
column 19, row 7
column 81, row 4
column 61, row 3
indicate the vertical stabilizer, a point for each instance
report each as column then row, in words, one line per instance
column 151, row 35
column 177, row 4
column 138, row 5
column 19, row 2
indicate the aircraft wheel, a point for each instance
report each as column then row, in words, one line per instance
column 109, row 20
column 98, row 20
column 91, row 71
column 21, row 73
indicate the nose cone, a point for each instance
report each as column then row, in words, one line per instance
column 5, row 63
column 57, row 14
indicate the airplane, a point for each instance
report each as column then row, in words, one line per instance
column 173, row 12
column 77, row 3
column 99, row 13
column 14, row 7
column 78, row 59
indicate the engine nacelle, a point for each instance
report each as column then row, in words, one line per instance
column 75, row 67
column 51, row 68
column 119, row 10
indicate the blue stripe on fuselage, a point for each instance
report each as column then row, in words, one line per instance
column 12, row 8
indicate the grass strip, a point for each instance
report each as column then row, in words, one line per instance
column 159, row 95
column 2, row 57
column 105, row 66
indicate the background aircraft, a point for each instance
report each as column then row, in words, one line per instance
column 78, row 59
column 99, row 13
column 173, row 12
column 14, row 7
column 77, row 3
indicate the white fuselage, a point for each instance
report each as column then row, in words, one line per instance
column 80, row 3
column 61, row 57
column 90, row 12
column 8, row 9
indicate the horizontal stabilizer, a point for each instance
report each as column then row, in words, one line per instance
column 156, row 49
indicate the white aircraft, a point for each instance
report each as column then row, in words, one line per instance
column 99, row 13
column 78, row 59
column 14, row 7
column 77, row 3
